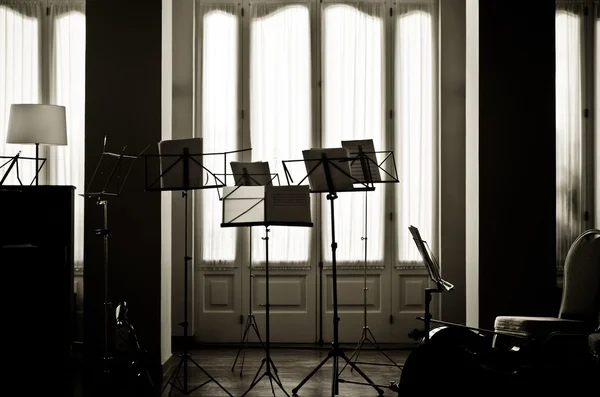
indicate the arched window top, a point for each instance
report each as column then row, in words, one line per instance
column 274, row 10
column 372, row 9
column 20, row 9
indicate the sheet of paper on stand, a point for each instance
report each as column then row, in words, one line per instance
column 243, row 204
column 366, row 146
column 287, row 204
column 430, row 261
column 172, row 162
column 266, row 205
column 256, row 173
column 339, row 168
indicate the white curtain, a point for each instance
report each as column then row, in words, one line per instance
column 280, row 110
column 353, row 62
column 20, row 76
column 217, row 87
column 415, row 126
column 25, row 79
column 570, row 94
column 66, row 164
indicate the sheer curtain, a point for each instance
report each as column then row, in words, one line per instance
column 415, row 126
column 280, row 109
column 217, row 86
column 20, row 75
column 23, row 53
column 67, row 88
column 570, row 94
column 353, row 60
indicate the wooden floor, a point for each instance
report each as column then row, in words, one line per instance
column 293, row 366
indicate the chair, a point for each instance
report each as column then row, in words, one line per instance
column 579, row 312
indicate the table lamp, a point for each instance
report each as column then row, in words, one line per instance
column 37, row 124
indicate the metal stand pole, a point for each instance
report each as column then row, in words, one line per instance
column 105, row 233
column 336, row 352
column 367, row 334
column 267, row 362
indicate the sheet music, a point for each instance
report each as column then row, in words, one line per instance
column 356, row 166
column 266, row 205
column 288, row 204
column 258, row 173
column 433, row 267
column 172, row 178
column 243, row 204
column 340, row 173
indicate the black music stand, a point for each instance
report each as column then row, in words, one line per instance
column 107, row 182
column 329, row 172
column 181, row 169
column 366, row 168
column 13, row 162
column 433, row 268
column 266, row 206
column 250, row 174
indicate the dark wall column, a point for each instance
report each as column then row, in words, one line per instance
column 452, row 48
column 515, row 218
column 123, row 102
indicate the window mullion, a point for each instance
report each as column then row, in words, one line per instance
column 389, row 253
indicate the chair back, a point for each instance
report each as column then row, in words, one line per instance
column 581, row 288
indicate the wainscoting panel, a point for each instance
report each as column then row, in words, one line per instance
column 351, row 293
column 218, row 293
column 351, row 303
column 218, row 305
column 408, row 301
column 292, row 298
column 286, row 293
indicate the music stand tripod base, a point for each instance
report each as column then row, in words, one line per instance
column 183, row 162
column 336, row 352
column 367, row 334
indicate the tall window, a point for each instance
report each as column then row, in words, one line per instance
column 46, row 66
column 280, row 108
column 217, row 71
column 415, row 126
column 318, row 73
column 353, row 58
column 570, row 125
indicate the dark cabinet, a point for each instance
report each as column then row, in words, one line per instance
column 36, row 259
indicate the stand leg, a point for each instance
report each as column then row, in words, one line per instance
column 185, row 357
column 267, row 362
column 368, row 337
column 366, row 331
column 250, row 323
column 335, row 352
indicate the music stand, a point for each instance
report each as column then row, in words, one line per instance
column 433, row 268
column 107, row 181
column 182, row 169
column 266, row 206
column 13, row 162
column 250, row 174
column 328, row 171
column 366, row 169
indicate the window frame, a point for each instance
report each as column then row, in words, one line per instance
column 315, row 9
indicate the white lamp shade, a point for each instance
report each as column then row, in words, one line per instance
column 34, row 123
